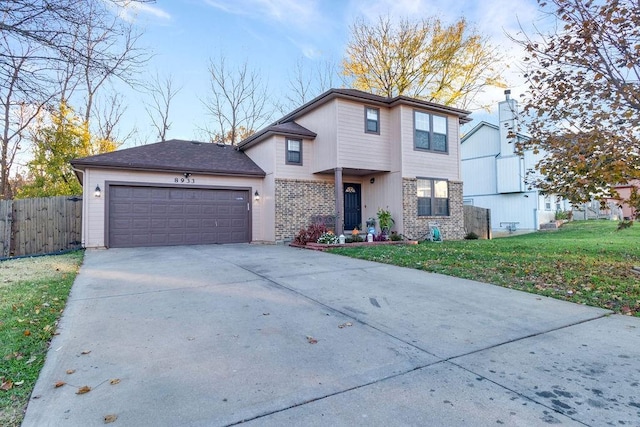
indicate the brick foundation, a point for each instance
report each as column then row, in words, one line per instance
column 416, row 227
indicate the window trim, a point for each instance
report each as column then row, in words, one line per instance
column 366, row 120
column 431, row 132
column 286, row 151
column 433, row 198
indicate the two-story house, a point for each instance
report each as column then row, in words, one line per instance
column 345, row 154
column 495, row 174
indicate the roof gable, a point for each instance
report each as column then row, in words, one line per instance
column 353, row 95
column 176, row 155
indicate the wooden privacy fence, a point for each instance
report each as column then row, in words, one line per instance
column 477, row 220
column 40, row 226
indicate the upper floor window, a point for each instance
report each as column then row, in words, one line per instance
column 433, row 197
column 430, row 132
column 294, row 152
column 371, row 120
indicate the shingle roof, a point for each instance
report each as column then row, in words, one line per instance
column 177, row 155
column 355, row 95
column 287, row 129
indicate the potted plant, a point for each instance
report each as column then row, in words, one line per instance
column 385, row 220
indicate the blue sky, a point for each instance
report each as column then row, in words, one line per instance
column 272, row 35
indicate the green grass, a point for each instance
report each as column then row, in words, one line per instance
column 587, row 262
column 32, row 298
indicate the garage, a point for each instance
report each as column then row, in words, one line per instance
column 163, row 216
column 171, row 193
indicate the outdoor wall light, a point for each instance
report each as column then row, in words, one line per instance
column 256, row 196
column 98, row 191
column 372, row 180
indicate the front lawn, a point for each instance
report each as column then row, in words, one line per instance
column 33, row 293
column 587, row 262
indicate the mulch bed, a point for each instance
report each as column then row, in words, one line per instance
column 324, row 247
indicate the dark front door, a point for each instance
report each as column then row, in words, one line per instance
column 352, row 217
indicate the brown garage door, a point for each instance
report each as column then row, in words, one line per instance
column 159, row 216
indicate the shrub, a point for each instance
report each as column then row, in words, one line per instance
column 395, row 236
column 311, row 234
column 624, row 224
column 471, row 236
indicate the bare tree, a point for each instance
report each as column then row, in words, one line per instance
column 21, row 100
column 162, row 93
column 109, row 51
column 237, row 102
column 47, row 49
column 305, row 83
column 108, row 115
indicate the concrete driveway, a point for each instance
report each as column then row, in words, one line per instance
column 272, row 335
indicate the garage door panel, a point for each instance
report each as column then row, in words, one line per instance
column 157, row 216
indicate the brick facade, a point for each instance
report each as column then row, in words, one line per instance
column 297, row 201
column 416, row 227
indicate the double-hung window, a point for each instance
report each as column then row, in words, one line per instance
column 294, row 152
column 372, row 120
column 430, row 132
column 433, row 197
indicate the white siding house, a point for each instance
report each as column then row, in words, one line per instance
column 494, row 175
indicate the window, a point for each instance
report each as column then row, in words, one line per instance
column 433, row 197
column 430, row 132
column 371, row 120
column 294, row 152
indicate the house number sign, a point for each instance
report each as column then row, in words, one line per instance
column 185, row 180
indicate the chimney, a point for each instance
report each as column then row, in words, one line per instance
column 508, row 122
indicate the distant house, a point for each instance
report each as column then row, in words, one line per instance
column 494, row 175
column 343, row 156
column 620, row 207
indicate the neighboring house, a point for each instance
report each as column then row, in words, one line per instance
column 343, row 155
column 494, row 175
column 620, row 207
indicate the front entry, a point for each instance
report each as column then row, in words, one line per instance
column 352, row 215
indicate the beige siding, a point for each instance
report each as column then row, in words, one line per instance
column 94, row 207
column 356, row 148
column 384, row 193
column 423, row 163
column 323, row 153
column 264, row 155
column 285, row 171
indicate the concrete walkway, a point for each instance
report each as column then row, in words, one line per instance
column 272, row 335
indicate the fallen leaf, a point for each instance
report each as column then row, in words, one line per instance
column 110, row 418
column 311, row 340
column 266, row 314
column 27, row 333
column 84, row 389
column 114, row 381
column 344, row 325
column 59, row 384
column 19, row 383
column 71, row 371
column 86, row 352
column 6, row 384
column 31, row 360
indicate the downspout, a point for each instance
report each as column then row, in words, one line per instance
column 84, row 207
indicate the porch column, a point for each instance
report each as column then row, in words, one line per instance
column 339, row 201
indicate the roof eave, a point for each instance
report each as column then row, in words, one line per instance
column 83, row 166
